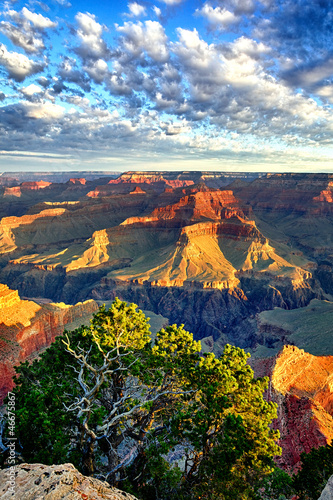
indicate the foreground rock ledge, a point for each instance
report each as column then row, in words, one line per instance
column 327, row 493
column 55, row 482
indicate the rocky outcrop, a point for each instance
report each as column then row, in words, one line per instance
column 27, row 327
column 8, row 298
column 149, row 178
column 327, row 493
column 54, row 482
column 81, row 181
column 137, row 190
column 25, row 187
column 143, row 180
column 301, row 385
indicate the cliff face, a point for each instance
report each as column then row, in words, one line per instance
column 26, row 328
column 301, row 385
column 153, row 182
column 50, row 482
column 149, row 178
column 25, row 187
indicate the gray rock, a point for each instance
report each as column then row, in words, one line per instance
column 327, row 493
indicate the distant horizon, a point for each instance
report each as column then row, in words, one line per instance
column 117, row 173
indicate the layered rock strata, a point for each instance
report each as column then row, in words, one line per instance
column 301, row 385
column 27, row 327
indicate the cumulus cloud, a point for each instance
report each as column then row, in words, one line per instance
column 297, row 28
column 230, row 85
column 44, row 110
column 218, row 17
column 92, row 45
column 175, row 128
column 148, row 37
column 136, row 10
column 97, row 70
column 28, row 32
column 157, row 11
column 38, row 20
column 311, row 75
column 69, row 71
column 31, row 90
column 24, row 39
column 18, row 65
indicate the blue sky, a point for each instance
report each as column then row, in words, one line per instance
column 173, row 84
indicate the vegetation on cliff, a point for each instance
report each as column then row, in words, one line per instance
column 158, row 419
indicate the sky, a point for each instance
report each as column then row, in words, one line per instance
column 236, row 85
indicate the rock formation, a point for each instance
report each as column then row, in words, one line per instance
column 27, row 327
column 153, row 181
column 301, row 385
column 26, row 187
column 327, row 493
column 54, row 482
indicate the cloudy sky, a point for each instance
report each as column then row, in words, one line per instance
column 167, row 84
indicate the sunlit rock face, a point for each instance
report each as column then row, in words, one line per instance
column 301, row 385
column 28, row 327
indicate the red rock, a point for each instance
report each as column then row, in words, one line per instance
column 137, row 190
column 300, row 384
column 26, row 328
column 81, row 181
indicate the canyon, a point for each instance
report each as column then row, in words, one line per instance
column 178, row 246
column 245, row 259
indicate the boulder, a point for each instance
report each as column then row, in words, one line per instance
column 54, row 482
column 327, row 493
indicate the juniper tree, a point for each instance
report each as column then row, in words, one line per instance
column 115, row 404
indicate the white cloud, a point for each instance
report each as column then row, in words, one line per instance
column 25, row 39
column 97, row 70
column 31, row 90
column 148, row 37
column 219, row 17
column 18, row 65
column 157, row 11
column 80, row 102
column 45, row 111
column 29, row 31
column 70, row 72
column 136, row 10
column 90, row 35
column 172, row 2
column 38, row 20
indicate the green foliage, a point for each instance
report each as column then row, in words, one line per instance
column 317, row 467
column 160, row 420
column 277, row 486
